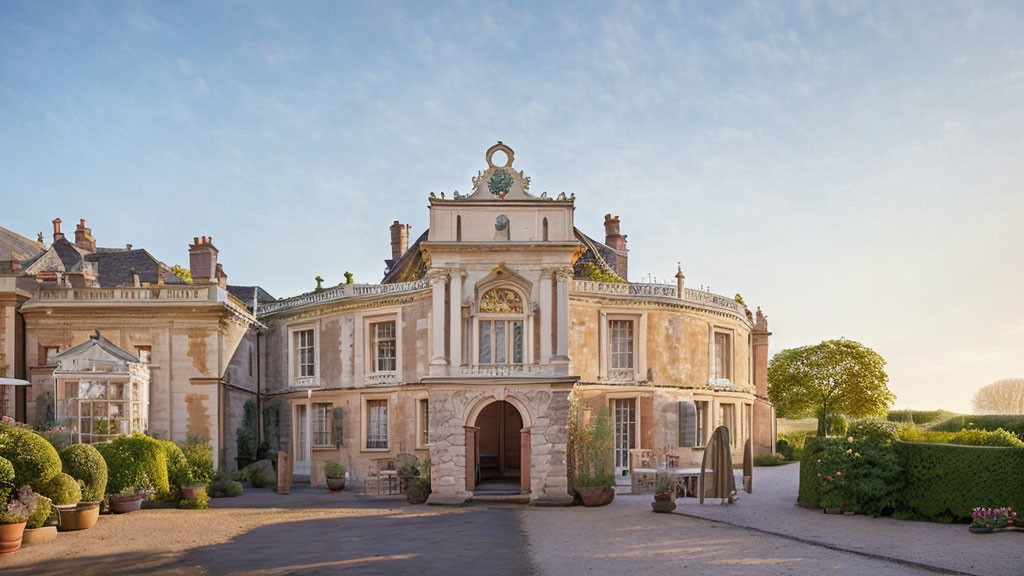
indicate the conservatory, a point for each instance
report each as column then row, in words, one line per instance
column 101, row 391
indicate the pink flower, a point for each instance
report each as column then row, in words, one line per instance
column 839, row 473
column 819, row 460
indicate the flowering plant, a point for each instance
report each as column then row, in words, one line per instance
column 20, row 507
column 994, row 517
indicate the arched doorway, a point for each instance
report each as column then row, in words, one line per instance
column 501, row 453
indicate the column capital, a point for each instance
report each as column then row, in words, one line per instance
column 564, row 273
column 436, row 276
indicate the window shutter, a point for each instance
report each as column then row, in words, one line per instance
column 687, row 423
column 336, row 426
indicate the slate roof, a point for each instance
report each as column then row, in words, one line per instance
column 245, row 293
column 14, row 246
column 409, row 266
column 597, row 253
column 69, row 255
column 113, row 267
column 107, row 345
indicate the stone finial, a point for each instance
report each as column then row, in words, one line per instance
column 761, row 324
column 319, row 284
column 680, row 280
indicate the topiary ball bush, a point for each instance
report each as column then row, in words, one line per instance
column 135, row 461
column 225, row 489
column 177, row 470
column 84, row 462
column 44, row 507
column 63, row 490
column 35, row 461
column 6, row 479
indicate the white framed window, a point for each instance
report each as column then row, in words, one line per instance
column 305, row 353
column 384, row 346
column 702, row 419
column 723, row 355
column 620, row 345
column 501, row 328
column 422, row 422
column 322, row 424
column 375, row 423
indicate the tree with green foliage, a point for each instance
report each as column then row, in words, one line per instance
column 836, row 376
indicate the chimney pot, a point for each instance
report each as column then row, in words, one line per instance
column 84, row 238
column 399, row 239
column 616, row 241
column 57, row 235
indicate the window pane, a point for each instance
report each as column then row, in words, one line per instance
column 377, row 424
column 499, row 343
column 485, row 342
column 620, row 345
column 384, row 348
column 517, row 342
column 424, row 422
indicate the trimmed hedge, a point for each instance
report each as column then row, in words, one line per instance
column 177, row 465
column 809, row 494
column 85, row 463
column 998, row 437
column 945, row 482
column 1013, row 424
column 135, row 461
column 63, row 490
column 791, row 444
column 919, row 417
column 35, row 461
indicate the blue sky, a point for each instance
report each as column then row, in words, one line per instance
column 853, row 168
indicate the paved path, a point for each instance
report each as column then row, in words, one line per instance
column 949, row 547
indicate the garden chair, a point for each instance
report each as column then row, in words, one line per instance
column 643, row 470
column 382, row 475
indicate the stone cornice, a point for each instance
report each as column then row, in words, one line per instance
column 656, row 303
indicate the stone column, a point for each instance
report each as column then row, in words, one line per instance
column 563, row 277
column 545, row 317
column 438, row 361
column 455, row 319
column 525, row 470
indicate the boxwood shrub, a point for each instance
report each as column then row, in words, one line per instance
column 809, row 493
column 83, row 462
column 35, row 461
column 861, row 472
column 136, row 461
column 6, row 479
column 945, row 482
column 62, row 489
column 997, row 437
column 177, row 468
column 44, row 507
column 199, row 455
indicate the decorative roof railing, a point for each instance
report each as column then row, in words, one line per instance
column 699, row 297
column 340, row 292
column 130, row 294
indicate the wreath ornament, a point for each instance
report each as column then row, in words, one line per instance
column 500, row 183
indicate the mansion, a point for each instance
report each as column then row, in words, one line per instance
column 465, row 353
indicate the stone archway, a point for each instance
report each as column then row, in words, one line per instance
column 498, row 447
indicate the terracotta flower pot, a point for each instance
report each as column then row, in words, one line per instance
column 418, row 491
column 336, row 484
column 593, row 496
column 80, row 517
column 980, row 529
column 191, row 492
column 10, row 537
column 39, row 535
column 123, row 504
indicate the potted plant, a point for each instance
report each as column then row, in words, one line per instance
column 984, row 520
column 335, row 473
column 37, row 531
column 595, row 479
column 416, row 474
column 14, row 518
column 129, row 500
column 664, row 495
column 191, row 488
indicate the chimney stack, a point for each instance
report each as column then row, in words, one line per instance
column 616, row 242
column 202, row 260
column 83, row 237
column 222, row 277
column 399, row 239
column 57, row 235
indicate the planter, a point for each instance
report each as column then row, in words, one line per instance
column 39, row 535
column 10, row 537
column 593, row 496
column 417, row 491
column 663, row 506
column 122, row 504
column 191, row 492
column 80, row 517
column 981, row 529
column 836, row 510
column 336, row 484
